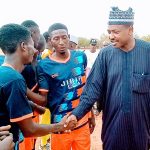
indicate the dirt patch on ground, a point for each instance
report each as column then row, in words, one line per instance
column 96, row 143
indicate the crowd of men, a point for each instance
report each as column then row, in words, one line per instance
column 46, row 75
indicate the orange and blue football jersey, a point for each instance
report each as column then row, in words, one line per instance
column 64, row 82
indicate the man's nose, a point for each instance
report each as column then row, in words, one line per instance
column 61, row 41
column 111, row 36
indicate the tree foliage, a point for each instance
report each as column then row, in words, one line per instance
column 146, row 38
column 83, row 42
column 104, row 39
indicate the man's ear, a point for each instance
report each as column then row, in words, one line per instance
column 130, row 30
column 23, row 46
column 49, row 40
column 69, row 36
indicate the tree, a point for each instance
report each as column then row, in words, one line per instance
column 83, row 42
column 146, row 38
column 136, row 36
column 103, row 39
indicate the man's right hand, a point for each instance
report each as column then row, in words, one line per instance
column 66, row 124
column 71, row 122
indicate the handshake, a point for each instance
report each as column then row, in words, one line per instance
column 68, row 123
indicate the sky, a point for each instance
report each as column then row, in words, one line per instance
column 84, row 18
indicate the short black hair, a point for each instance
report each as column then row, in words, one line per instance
column 46, row 36
column 11, row 35
column 57, row 26
column 29, row 24
column 34, row 29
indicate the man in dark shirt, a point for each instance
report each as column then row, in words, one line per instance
column 17, row 44
column 61, row 78
column 120, row 81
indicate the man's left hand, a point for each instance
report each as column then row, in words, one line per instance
column 92, row 124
